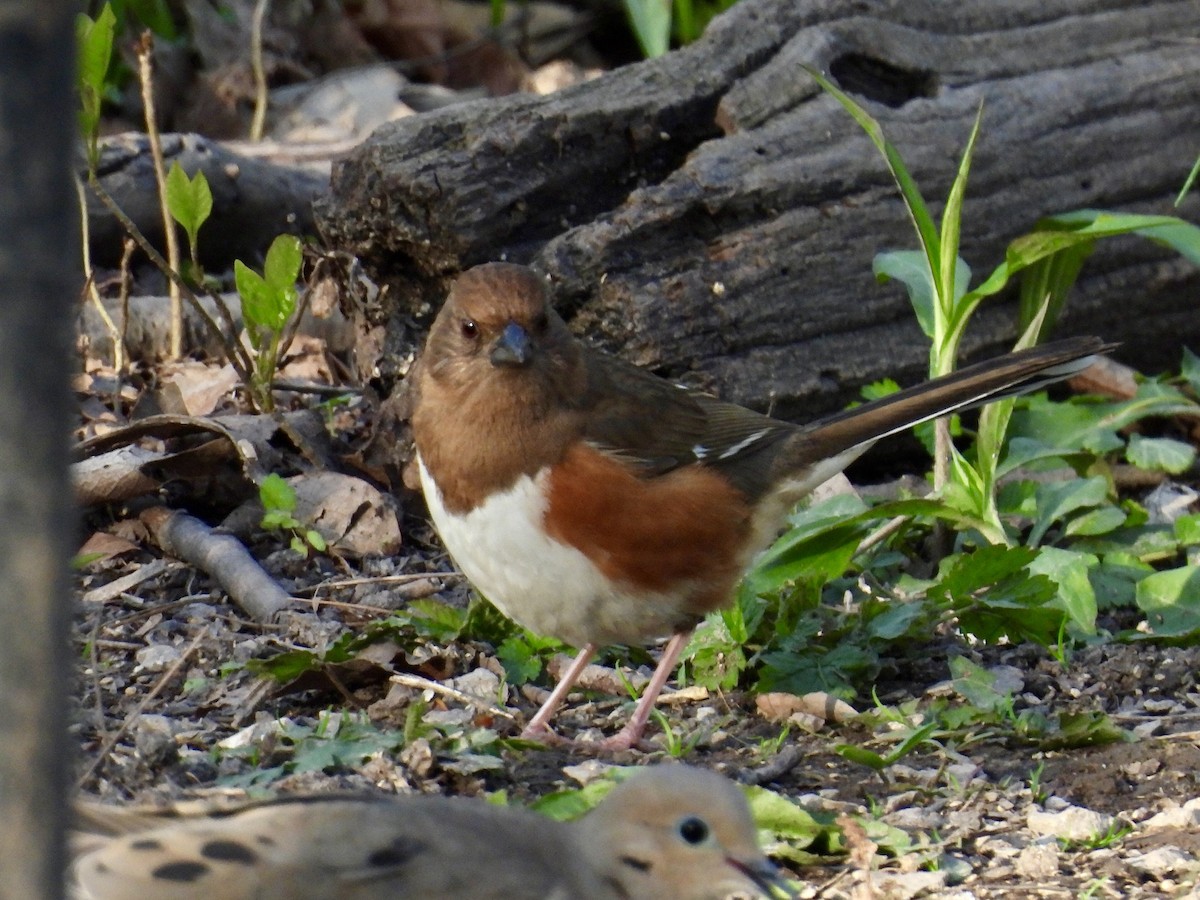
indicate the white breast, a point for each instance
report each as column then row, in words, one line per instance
column 546, row 586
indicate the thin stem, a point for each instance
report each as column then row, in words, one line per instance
column 90, row 276
column 258, row 122
column 145, row 73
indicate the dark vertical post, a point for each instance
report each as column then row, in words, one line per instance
column 38, row 284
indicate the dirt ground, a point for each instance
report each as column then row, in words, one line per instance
column 160, row 713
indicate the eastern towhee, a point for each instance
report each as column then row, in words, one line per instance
column 599, row 504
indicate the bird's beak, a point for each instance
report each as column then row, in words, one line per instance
column 513, row 347
column 769, row 879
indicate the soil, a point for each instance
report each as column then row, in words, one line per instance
column 158, row 696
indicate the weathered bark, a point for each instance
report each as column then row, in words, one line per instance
column 36, row 515
column 714, row 215
column 253, row 199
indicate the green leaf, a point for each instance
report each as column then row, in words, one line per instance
column 282, row 266
column 911, row 269
column 994, row 596
column 1070, row 570
column 651, row 21
column 521, row 662
column 255, row 294
column 913, row 201
column 948, row 289
column 1190, row 369
column 977, row 685
column 1084, row 729
column 276, row 495
column 1056, row 499
column 1187, row 529
column 1097, row 521
column 435, row 619
column 1171, row 601
column 189, row 200
column 93, row 55
column 1188, row 182
column 1160, row 454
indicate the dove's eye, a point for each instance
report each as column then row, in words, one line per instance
column 693, row 830
column 469, row 329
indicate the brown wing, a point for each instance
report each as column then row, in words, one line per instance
column 661, row 426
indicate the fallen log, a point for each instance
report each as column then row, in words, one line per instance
column 713, row 215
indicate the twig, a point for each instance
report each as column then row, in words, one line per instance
column 425, row 684
column 136, row 714
column 258, row 122
column 127, row 248
column 90, row 287
column 145, row 72
column 222, row 557
column 234, row 351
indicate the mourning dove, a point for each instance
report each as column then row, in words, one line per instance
column 670, row 832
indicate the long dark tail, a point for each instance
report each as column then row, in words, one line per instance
column 835, row 441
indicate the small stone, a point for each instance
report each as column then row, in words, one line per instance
column 1007, row 679
column 914, row 818
column 963, row 773
column 1073, row 824
column 154, row 738
column 157, row 657
column 995, row 847
column 1186, row 816
column 955, row 868
column 1161, row 862
column 1055, row 804
column 903, row 885
column 1038, row 861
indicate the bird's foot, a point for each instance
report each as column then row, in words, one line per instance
column 543, row 734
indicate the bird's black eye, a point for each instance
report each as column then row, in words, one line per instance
column 540, row 323
column 469, row 329
column 693, row 831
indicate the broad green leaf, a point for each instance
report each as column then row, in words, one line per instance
column 651, row 21
column 256, row 297
column 433, row 618
column 281, row 268
column 1084, row 729
column 1160, row 454
column 911, row 268
column 1057, row 499
column 1171, row 601
column 521, row 663
column 1187, row 529
column 189, row 200
column 977, row 685
column 276, row 494
column 785, row 820
column 1190, row 369
column 1115, row 580
column 1097, row 521
column 1069, row 571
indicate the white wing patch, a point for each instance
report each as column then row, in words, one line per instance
column 743, row 444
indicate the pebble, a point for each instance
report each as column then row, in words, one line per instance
column 1185, row 816
column 915, row 818
column 157, row 657
column 1162, row 862
column 903, row 885
column 1075, row 823
column 1038, row 861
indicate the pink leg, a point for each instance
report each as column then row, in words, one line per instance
column 632, row 732
column 539, row 726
